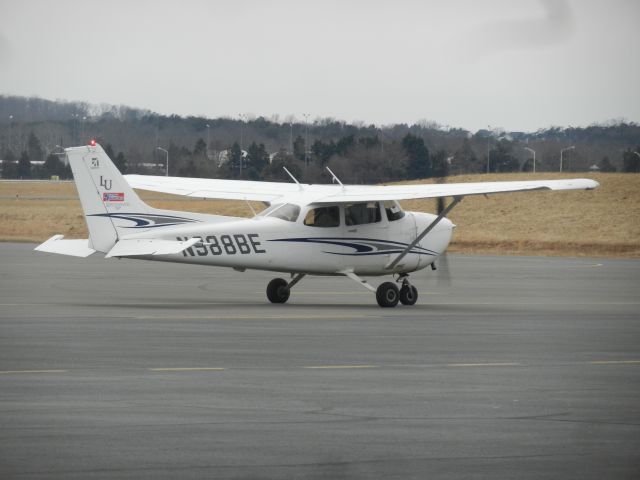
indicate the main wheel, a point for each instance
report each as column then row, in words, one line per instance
column 277, row 291
column 387, row 295
column 408, row 295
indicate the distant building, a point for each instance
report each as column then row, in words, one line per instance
column 223, row 157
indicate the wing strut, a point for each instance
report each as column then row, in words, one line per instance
column 294, row 178
column 442, row 214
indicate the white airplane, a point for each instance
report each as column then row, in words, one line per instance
column 341, row 230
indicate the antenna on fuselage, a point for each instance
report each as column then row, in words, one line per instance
column 294, row 178
column 334, row 177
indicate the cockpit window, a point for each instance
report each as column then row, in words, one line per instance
column 323, row 217
column 361, row 213
column 283, row 211
column 393, row 209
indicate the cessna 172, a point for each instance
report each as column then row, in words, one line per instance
column 336, row 229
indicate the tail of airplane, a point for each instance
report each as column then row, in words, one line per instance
column 113, row 210
column 104, row 194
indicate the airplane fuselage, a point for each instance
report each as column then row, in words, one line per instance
column 267, row 243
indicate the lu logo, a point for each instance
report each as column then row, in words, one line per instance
column 106, row 183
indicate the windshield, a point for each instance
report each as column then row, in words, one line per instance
column 283, row 211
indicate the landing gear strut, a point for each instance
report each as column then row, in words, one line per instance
column 387, row 294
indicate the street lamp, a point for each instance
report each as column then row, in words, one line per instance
column 10, row 130
column 534, row 157
column 167, row 154
column 207, row 149
column 291, row 137
column 75, row 128
column 562, row 151
column 241, row 124
column 488, row 147
column 306, row 141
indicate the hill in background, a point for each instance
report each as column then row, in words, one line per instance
column 32, row 130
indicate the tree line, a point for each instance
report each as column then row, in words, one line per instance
column 33, row 137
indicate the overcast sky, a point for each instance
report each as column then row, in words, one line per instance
column 515, row 64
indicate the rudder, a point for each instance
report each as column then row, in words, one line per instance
column 103, row 192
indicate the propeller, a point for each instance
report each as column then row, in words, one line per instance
column 443, row 276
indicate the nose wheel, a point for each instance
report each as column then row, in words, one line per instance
column 388, row 294
column 408, row 294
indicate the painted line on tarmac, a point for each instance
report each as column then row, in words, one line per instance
column 301, row 316
column 14, row 372
column 503, row 364
column 615, row 362
column 338, row 367
column 187, row 369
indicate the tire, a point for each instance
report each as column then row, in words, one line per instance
column 408, row 295
column 277, row 292
column 387, row 295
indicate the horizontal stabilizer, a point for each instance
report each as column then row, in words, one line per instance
column 134, row 247
column 75, row 248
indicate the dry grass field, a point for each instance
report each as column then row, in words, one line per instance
column 603, row 222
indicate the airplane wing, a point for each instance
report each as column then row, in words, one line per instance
column 410, row 192
column 271, row 191
column 213, row 188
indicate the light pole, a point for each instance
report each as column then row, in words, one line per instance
column 488, row 154
column 241, row 141
column 291, row 137
column 167, row 154
column 306, row 141
column 208, row 137
column 534, row 157
column 75, row 129
column 10, row 130
column 488, row 148
column 561, row 153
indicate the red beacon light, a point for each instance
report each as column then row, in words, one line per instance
column 92, row 142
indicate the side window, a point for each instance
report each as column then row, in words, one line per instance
column 323, row 217
column 360, row 213
column 393, row 209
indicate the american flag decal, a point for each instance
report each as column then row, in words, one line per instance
column 112, row 197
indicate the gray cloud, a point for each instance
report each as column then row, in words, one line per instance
column 554, row 26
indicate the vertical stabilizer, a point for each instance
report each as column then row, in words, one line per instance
column 103, row 193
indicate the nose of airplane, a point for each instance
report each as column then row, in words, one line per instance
column 446, row 223
column 439, row 237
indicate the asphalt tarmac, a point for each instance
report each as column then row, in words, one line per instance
column 520, row 368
